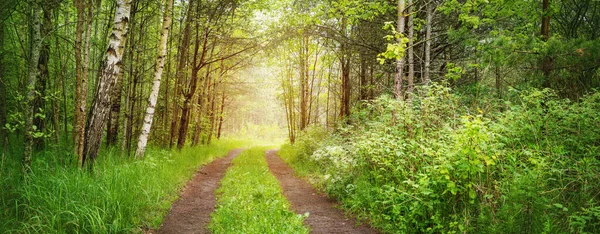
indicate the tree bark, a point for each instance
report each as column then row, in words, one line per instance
column 2, row 85
column 411, row 55
column 427, row 77
column 221, row 115
column 211, row 113
column 112, row 130
column 193, row 85
column 39, row 103
column 398, row 78
column 363, row 77
column 546, row 61
column 345, row 100
column 160, row 64
column 345, row 66
column 545, row 20
column 304, row 82
column 181, row 66
column 101, row 105
column 81, row 68
column 34, row 56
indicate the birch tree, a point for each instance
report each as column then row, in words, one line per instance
column 34, row 56
column 411, row 54
column 160, row 64
column 398, row 78
column 101, row 105
column 426, row 77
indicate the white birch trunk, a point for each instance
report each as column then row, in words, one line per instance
column 36, row 45
column 101, row 105
column 400, row 63
column 427, row 78
column 411, row 55
column 160, row 64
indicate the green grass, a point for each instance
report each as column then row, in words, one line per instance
column 251, row 201
column 122, row 195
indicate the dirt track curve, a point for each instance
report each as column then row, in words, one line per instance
column 191, row 212
column 323, row 218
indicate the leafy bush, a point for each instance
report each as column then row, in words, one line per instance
column 431, row 167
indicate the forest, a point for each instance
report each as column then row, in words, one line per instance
column 408, row 116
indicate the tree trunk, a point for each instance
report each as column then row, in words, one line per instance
column 411, row 55
column 39, row 102
column 181, row 66
column 160, row 64
column 2, row 85
column 34, row 56
column 303, row 82
column 546, row 19
column 345, row 102
column 221, row 115
column 398, row 78
column 427, row 77
column 193, row 85
column 81, row 67
column 112, row 130
column 212, row 115
column 546, row 61
column 498, row 82
column 363, row 77
column 165, row 114
column 345, row 66
column 101, row 105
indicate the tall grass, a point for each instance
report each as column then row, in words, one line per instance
column 251, row 201
column 120, row 195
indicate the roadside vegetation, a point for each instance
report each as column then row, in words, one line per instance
column 434, row 165
column 121, row 195
column 251, row 201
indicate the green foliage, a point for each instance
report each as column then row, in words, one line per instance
column 431, row 167
column 251, row 201
column 120, row 195
column 396, row 46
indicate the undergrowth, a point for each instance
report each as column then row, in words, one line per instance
column 251, row 201
column 435, row 166
column 121, row 195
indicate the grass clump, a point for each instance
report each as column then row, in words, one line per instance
column 251, row 201
column 122, row 195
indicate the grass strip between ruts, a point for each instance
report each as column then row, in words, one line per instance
column 250, row 199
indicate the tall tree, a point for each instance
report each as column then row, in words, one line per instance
column 181, row 66
column 428, row 26
column 411, row 50
column 34, row 56
column 2, row 84
column 304, row 115
column 345, row 58
column 101, row 105
column 82, row 42
column 545, row 31
column 399, row 77
column 160, row 64
column 39, row 102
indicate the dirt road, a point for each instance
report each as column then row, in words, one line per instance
column 324, row 217
column 191, row 212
